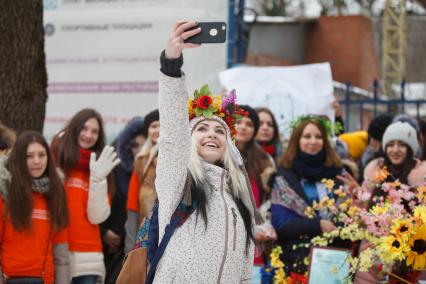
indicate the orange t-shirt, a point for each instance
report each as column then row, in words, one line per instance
column 83, row 236
column 133, row 193
column 25, row 253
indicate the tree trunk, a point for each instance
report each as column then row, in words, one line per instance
column 23, row 77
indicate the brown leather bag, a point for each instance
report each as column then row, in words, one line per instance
column 134, row 268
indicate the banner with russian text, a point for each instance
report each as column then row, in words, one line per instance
column 104, row 54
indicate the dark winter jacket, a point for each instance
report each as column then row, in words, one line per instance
column 122, row 174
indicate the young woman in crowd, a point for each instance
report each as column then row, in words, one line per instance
column 260, row 166
column 141, row 195
column 308, row 159
column 34, row 215
column 268, row 135
column 128, row 144
column 199, row 164
column 86, row 186
column 399, row 146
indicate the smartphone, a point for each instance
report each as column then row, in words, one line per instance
column 211, row 32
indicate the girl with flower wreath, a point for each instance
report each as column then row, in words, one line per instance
column 308, row 159
column 260, row 167
column 199, row 165
column 34, row 215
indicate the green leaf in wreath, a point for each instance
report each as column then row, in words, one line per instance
column 198, row 112
column 207, row 113
column 212, row 108
column 196, row 94
column 204, row 90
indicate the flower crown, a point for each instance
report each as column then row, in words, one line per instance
column 330, row 128
column 206, row 104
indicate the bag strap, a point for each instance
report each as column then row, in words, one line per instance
column 179, row 217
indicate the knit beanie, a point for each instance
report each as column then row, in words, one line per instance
column 252, row 114
column 401, row 131
column 409, row 119
column 356, row 141
column 150, row 118
column 378, row 126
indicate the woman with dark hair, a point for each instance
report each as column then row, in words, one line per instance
column 268, row 135
column 87, row 189
column 199, row 167
column 308, row 159
column 256, row 160
column 260, row 166
column 34, row 214
column 399, row 146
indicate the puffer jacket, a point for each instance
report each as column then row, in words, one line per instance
column 195, row 254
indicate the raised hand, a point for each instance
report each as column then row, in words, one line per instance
column 349, row 181
column 99, row 169
column 177, row 37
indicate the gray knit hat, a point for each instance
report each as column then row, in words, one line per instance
column 401, row 131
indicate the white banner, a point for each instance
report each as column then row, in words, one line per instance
column 104, row 54
column 287, row 91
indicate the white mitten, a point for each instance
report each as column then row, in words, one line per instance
column 100, row 169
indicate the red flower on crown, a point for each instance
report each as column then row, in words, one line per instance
column 204, row 102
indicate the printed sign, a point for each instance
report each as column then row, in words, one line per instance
column 104, row 54
column 287, row 91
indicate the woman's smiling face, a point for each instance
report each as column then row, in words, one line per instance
column 210, row 138
column 396, row 151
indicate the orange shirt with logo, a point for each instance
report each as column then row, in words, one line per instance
column 133, row 193
column 29, row 252
column 83, row 236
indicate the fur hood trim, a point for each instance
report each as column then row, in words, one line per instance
column 124, row 141
column 5, row 177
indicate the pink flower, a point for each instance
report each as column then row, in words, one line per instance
column 364, row 194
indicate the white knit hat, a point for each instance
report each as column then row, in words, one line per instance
column 401, row 131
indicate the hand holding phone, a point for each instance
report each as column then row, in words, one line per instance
column 211, row 32
column 181, row 31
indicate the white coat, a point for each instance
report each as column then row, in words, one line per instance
column 195, row 254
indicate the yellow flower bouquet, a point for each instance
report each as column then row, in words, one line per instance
column 392, row 226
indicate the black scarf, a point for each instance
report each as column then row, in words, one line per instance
column 312, row 168
column 41, row 185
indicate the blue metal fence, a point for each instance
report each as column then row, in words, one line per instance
column 375, row 103
column 237, row 42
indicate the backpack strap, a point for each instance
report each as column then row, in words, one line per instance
column 181, row 214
